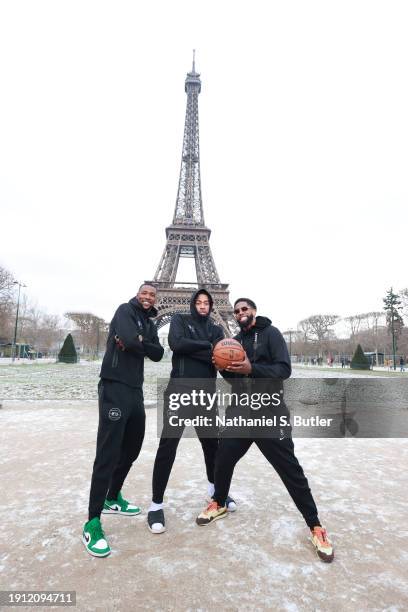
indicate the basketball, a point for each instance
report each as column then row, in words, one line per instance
column 227, row 351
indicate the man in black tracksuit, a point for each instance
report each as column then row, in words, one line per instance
column 132, row 337
column 191, row 338
column 265, row 366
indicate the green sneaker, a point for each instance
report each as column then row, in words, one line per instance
column 120, row 506
column 94, row 539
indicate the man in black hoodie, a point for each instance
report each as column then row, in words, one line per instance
column 191, row 338
column 132, row 337
column 265, row 366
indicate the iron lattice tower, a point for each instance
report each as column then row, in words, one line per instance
column 188, row 236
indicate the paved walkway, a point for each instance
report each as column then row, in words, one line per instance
column 257, row 559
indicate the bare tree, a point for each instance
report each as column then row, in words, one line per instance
column 320, row 325
column 50, row 332
column 354, row 323
column 304, row 330
column 291, row 336
column 374, row 320
column 319, row 328
column 6, row 302
column 93, row 330
column 37, row 328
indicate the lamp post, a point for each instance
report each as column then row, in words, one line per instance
column 13, row 352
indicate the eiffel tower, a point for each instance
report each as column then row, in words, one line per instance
column 188, row 235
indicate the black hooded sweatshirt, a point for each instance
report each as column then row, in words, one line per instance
column 191, row 338
column 127, row 366
column 266, row 350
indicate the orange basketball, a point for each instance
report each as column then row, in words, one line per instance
column 226, row 351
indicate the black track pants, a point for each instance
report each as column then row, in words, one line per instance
column 281, row 455
column 120, row 438
column 166, row 453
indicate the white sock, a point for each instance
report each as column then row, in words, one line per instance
column 154, row 507
column 210, row 489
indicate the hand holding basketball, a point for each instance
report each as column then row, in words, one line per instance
column 241, row 367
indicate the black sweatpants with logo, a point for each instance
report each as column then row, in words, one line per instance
column 281, row 455
column 120, row 438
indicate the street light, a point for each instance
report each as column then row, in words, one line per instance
column 13, row 352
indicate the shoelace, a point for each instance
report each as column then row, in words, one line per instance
column 212, row 506
column 321, row 535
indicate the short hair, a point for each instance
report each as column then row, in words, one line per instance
column 247, row 300
column 146, row 285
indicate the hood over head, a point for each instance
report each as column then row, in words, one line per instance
column 193, row 308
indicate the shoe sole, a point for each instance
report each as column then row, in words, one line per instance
column 322, row 556
column 220, row 516
column 90, row 552
column 325, row 558
column 154, row 531
column 106, row 511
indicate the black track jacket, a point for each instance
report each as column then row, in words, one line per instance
column 127, row 366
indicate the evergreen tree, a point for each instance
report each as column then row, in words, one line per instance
column 68, row 352
column 392, row 306
column 359, row 361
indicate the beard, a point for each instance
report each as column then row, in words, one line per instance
column 247, row 323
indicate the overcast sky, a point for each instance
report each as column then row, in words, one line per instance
column 303, row 135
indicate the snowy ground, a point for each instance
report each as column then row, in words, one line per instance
column 256, row 559
column 62, row 381
column 59, row 381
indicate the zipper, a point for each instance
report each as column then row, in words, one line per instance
column 115, row 357
column 255, row 343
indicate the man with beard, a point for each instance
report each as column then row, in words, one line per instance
column 266, row 363
column 132, row 337
column 191, row 338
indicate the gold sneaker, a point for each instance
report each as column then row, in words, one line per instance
column 322, row 544
column 213, row 512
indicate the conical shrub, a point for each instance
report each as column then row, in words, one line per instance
column 359, row 361
column 68, row 352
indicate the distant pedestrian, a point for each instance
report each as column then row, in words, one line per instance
column 342, row 362
column 402, row 364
